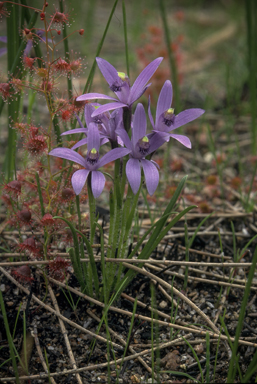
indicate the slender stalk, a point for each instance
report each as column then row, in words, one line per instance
column 66, row 49
column 92, row 209
column 241, row 318
column 125, row 35
column 251, row 22
column 172, row 61
column 100, row 45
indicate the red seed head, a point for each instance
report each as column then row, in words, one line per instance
column 58, row 33
column 58, row 268
column 42, row 15
column 5, row 90
column 29, row 245
column 13, row 187
column 81, row 32
column 75, row 65
column 67, row 194
column 28, row 62
column 47, row 86
column 24, row 215
column 36, row 145
column 62, row 66
column 47, row 220
column 66, row 115
column 22, row 274
column 33, row 130
column 27, row 33
column 60, row 18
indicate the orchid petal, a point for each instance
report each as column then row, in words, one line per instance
column 151, row 176
column 93, row 137
column 68, row 154
column 156, row 141
column 97, row 183
column 164, row 100
column 3, row 39
column 3, row 51
column 79, row 179
column 112, row 155
column 133, row 172
column 137, row 95
column 143, row 79
column 89, row 109
column 149, row 112
column 164, row 135
column 108, row 107
column 76, row 130
column 186, row 116
column 182, row 139
column 92, row 96
column 28, row 48
column 139, row 124
column 79, row 121
column 79, row 143
column 124, row 137
column 108, row 71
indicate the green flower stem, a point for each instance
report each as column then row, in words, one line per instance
column 92, row 209
column 125, row 35
column 66, row 50
column 127, row 220
column 172, row 61
column 78, row 211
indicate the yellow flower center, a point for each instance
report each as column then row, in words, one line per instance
column 122, row 75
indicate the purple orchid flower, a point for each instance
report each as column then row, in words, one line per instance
column 119, row 83
column 105, row 122
column 140, row 146
column 91, row 163
column 167, row 121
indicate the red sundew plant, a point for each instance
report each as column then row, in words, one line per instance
column 6, row 90
column 31, row 247
column 22, row 274
column 58, row 268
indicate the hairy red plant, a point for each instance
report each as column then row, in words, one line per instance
column 22, row 274
column 24, row 216
column 61, row 65
column 36, row 144
column 30, row 245
column 58, row 268
column 5, row 90
column 13, row 187
column 47, row 86
column 28, row 62
column 67, row 194
column 47, row 220
column 3, row 10
column 60, row 18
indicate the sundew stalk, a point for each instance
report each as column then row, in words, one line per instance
column 66, row 49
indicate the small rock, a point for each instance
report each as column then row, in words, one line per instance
column 163, row 304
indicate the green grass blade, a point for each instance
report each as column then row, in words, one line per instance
column 125, row 35
column 172, row 60
column 9, row 338
column 92, row 261
column 99, row 48
column 241, row 316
